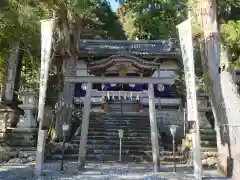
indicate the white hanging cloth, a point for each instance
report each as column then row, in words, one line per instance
column 108, row 95
column 131, row 94
column 125, row 96
column 119, row 95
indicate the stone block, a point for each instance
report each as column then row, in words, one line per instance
column 26, row 154
column 31, row 158
column 15, row 161
column 12, row 117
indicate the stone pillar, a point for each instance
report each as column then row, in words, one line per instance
column 154, row 130
column 85, row 124
column 12, row 71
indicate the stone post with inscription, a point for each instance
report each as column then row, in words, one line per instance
column 185, row 36
column 9, row 101
column 12, row 75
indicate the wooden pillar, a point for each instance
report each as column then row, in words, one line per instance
column 138, row 106
column 85, row 124
column 154, row 131
column 105, row 106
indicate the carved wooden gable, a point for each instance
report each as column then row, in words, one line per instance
column 121, row 65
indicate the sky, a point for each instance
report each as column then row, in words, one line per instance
column 114, row 4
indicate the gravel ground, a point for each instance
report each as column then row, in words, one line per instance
column 94, row 171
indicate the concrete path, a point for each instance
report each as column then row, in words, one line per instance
column 96, row 171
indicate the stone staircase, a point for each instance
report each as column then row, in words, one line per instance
column 18, row 145
column 103, row 139
column 209, row 147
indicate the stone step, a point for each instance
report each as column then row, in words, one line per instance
column 115, row 157
column 106, row 141
column 107, row 151
column 99, row 119
column 113, row 146
column 115, row 152
column 17, row 148
column 119, row 118
column 105, row 158
column 110, row 135
column 209, row 149
column 21, row 130
column 21, row 143
column 126, row 131
column 207, row 131
column 144, row 138
column 117, row 126
column 209, row 143
column 126, row 147
column 116, row 141
column 209, row 154
column 121, row 114
column 124, row 123
column 208, row 137
column 177, row 158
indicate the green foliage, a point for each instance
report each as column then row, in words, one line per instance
column 75, row 19
column 19, row 21
column 230, row 35
column 156, row 19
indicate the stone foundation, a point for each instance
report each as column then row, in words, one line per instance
column 15, row 141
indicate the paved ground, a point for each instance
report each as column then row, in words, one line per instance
column 101, row 172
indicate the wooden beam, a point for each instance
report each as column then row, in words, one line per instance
column 122, row 80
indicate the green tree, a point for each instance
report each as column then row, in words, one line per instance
column 155, row 19
column 20, row 21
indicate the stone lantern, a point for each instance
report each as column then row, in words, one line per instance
column 29, row 105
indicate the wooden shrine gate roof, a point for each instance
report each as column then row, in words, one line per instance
column 139, row 48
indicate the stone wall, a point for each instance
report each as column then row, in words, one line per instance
column 169, row 117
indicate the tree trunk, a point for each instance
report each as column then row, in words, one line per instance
column 224, row 97
column 222, row 141
column 65, row 114
column 231, row 102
